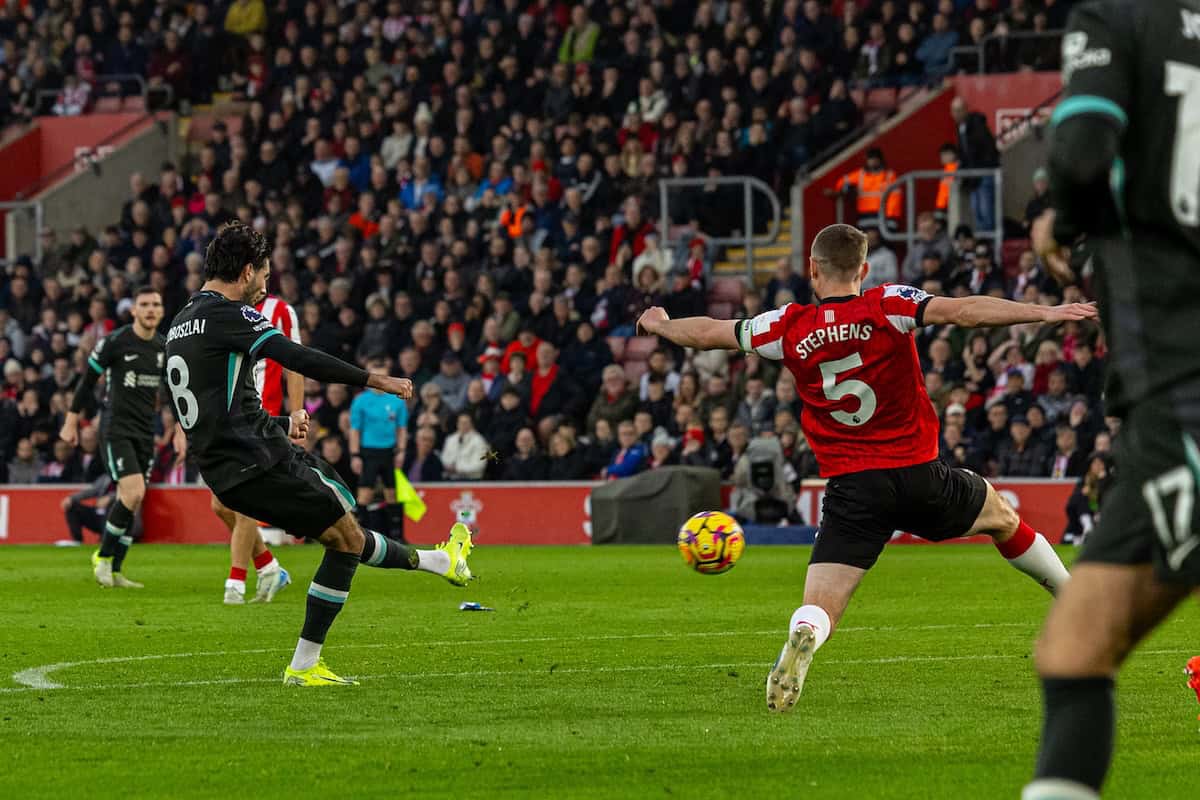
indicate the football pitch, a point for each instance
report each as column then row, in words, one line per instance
column 603, row 672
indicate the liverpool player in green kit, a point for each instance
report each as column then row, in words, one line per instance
column 244, row 453
column 131, row 360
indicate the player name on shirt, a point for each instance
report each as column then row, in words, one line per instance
column 189, row 327
column 845, row 332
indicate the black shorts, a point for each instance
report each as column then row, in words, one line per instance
column 1150, row 515
column 301, row 494
column 862, row 510
column 125, row 456
column 378, row 465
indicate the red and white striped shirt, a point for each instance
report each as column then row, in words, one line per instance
column 268, row 375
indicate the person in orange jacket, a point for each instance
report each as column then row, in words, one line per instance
column 869, row 183
column 949, row 157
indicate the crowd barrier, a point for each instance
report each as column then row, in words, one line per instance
column 506, row 513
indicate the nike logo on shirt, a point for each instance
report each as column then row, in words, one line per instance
column 130, row 356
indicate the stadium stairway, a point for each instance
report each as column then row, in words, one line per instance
column 764, row 256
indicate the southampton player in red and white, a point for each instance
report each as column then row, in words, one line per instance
column 245, row 542
column 873, row 430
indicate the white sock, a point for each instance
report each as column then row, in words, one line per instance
column 1058, row 789
column 435, row 561
column 1041, row 563
column 306, row 654
column 272, row 566
column 231, row 583
column 814, row 617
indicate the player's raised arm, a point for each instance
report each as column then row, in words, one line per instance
column 983, row 312
column 700, row 333
column 328, row 369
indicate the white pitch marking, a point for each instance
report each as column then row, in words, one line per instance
column 39, row 677
column 542, row 673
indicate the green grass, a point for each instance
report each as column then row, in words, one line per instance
column 606, row 672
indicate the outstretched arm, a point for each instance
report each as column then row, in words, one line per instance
column 328, row 369
column 985, row 312
column 700, row 333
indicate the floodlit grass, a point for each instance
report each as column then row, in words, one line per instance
column 604, row 672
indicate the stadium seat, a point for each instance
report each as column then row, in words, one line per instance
column 880, row 100
column 1010, row 255
column 727, row 290
column 107, row 105
column 635, row 369
column 721, row 309
column 134, row 103
column 200, row 128
column 639, row 348
column 617, row 345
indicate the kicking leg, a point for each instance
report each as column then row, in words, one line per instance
column 1101, row 615
column 1026, row 549
column 827, row 591
column 448, row 559
column 131, row 490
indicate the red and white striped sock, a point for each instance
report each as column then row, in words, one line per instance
column 237, row 579
column 264, row 561
column 1028, row 551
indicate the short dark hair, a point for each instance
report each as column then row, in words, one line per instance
column 145, row 289
column 839, row 251
column 234, row 246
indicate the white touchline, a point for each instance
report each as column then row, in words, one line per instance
column 39, row 677
column 539, row 673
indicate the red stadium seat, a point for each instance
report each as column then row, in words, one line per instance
column 727, row 290
column 721, row 309
column 107, row 105
column 1010, row 255
column 639, row 348
column 134, row 103
column 617, row 345
column 635, row 369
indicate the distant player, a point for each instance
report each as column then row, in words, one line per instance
column 131, row 360
column 378, row 439
column 873, row 430
column 245, row 541
column 1124, row 169
column 244, row 454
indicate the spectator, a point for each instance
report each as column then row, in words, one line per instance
column 1068, row 460
column 579, row 42
column 526, row 464
column 616, row 402
column 662, row 451
column 26, row 466
column 1040, row 200
column 931, row 240
column 936, row 50
column 1085, row 373
column 658, row 366
column 948, row 155
column 551, row 393
column 465, row 453
column 1020, row 456
column 884, row 268
column 422, row 463
column 867, row 185
column 757, row 408
column 452, row 381
column 785, row 279
column 978, row 150
column 567, row 461
column 630, row 458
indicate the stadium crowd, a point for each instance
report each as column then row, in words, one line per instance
column 468, row 190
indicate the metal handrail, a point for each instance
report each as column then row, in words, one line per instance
column 748, row 240
column 1016, row 129
column 907, row 182
column 144, row 89
column 980, row 50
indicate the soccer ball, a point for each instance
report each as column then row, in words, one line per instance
column 711, row 542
